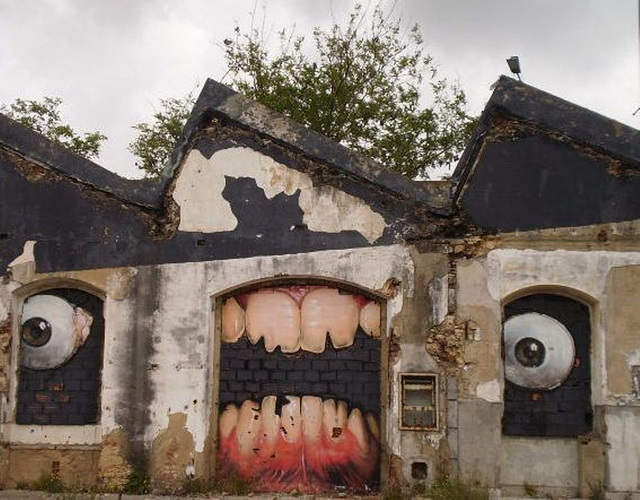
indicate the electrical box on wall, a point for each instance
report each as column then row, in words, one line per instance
column 419, row 403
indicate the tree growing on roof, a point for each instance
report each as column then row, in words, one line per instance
column 360, row 84
column 157, row 139
column 44, row 117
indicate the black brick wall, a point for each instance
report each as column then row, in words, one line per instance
column 68, row 394
column 352, row 374
column 566, row 410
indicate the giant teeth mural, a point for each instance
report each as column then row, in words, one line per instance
column 299, row 318
column 305, row 447
column 281, row 427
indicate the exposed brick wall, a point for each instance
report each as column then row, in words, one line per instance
column 566, row 410
column 351, row 374
column 68, row 394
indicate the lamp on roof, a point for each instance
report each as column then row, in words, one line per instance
column 514, row 66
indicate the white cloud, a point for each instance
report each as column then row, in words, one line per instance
column 111, row 62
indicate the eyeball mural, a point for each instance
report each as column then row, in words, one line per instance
column 52, row 330
column 300, row 389
column 61, row 340
column 546, row 344
column 539, row 351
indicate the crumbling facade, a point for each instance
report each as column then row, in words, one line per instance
column 282, row 310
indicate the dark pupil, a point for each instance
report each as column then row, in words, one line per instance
column 36, row 332
column 530, row 352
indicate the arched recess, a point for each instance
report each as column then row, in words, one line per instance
column 548, row 355
column 299, row 386
column 58, row 331
column 552, row 289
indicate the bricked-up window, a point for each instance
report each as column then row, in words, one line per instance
column 61, row 342
column 547, row 390
column 419, row 401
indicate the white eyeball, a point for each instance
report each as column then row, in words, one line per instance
column 539, row 351
column 52, row 331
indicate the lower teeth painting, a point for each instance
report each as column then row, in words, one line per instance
column 300, row 390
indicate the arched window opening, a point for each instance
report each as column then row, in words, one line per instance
column 299, row 386
column 546, row 347
column 60, row 358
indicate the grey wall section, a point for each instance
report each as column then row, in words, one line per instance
column 537, row 182
column 479, row 445
column 132, row 411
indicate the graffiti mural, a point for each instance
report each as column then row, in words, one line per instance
column 300, row 390
column 61, row 340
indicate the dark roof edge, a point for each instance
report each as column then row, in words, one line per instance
column 531, row 105
column 37, row 148
column 218, row 99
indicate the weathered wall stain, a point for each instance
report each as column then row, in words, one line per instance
column 172, row 453
column 114, row 467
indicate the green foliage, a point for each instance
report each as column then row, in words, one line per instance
column 360, row 84
column 138, row 483
column 419, row 489
column 229, row 484
column 50, row 483
column 44, row 117
column 451, row 489
column 157, row 138
column 233, row 485
column 530, row 490
column 196, row 486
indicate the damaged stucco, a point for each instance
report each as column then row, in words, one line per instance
column 199, row 192
column 607, row 282
column 421, row 311
column 253, row 200
column 160, row 347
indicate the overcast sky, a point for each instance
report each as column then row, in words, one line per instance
column 111, row 61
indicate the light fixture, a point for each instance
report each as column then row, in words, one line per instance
column 514, row 66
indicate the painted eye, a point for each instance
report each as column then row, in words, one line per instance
column 52, row 331
column 539, row 351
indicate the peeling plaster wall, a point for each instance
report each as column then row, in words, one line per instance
column 608, row 281
column 203, row 207
column 420, row 311
column 480, row 388
column 159, row 347
column 184, row 316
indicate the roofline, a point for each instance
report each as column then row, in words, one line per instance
column 36, row 147
column 217, row 99
column 521, row 102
